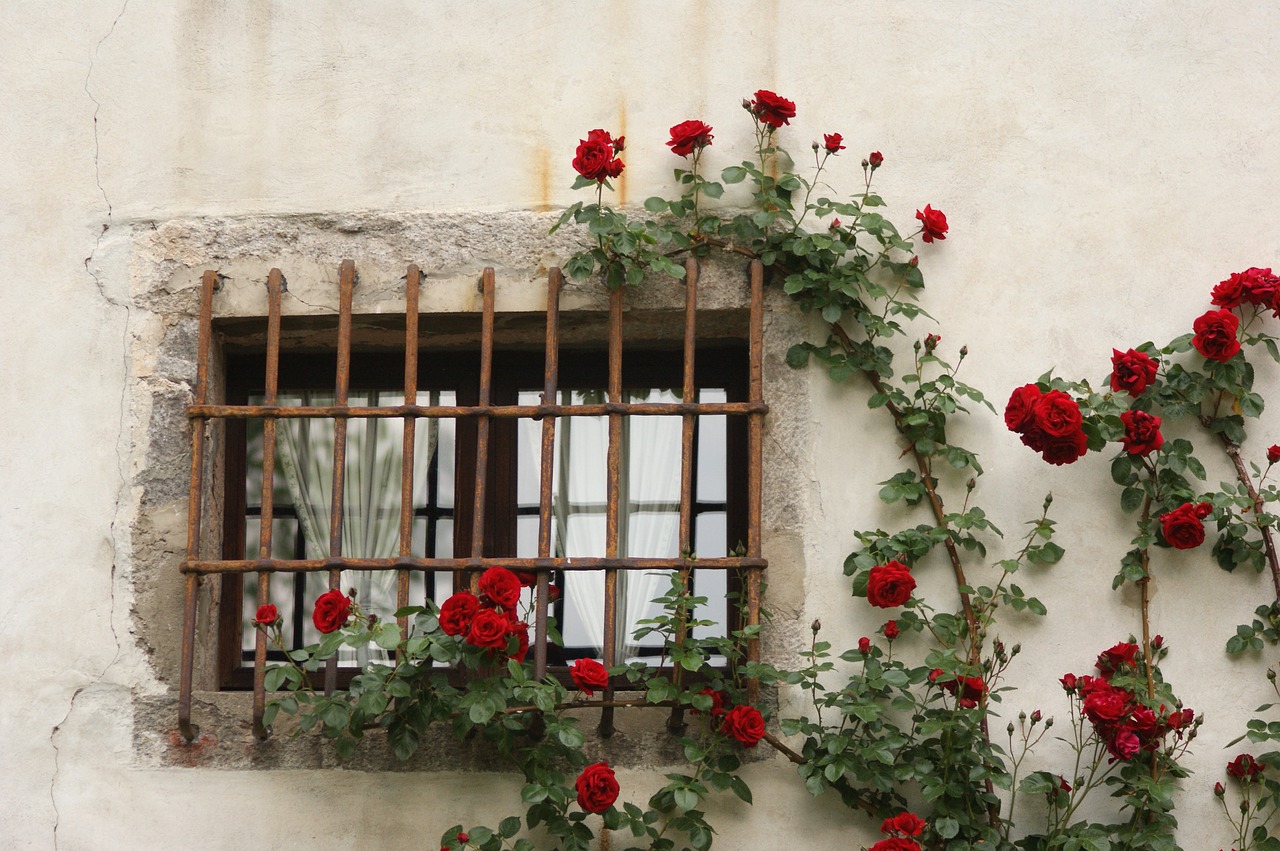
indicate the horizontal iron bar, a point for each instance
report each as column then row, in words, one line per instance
column 536, row 565
column 652, row 409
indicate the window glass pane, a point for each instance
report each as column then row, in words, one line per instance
column 712, row 449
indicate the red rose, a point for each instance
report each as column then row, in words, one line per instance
column 457, row 612
column 933, row 224
column 891, row 630
column 688, row 135
column 589, row 676
column 520, row 630
column 1273, row 453
column 1244, row 768
column 831, row 141
column 864, row 645
column 1132, row 371
column 1216, row 335
column 744, row 723
column 1106, row 705
column 331, row 612
column 889, row 585
column 527, row 578
column 772, row 109
column 1182, row 527
column 597, row 788
column 1124, row 743
column 717, row 702
column 266, row 616
column 1068, row 682
column 1064, row 450
column 1122, row 654
column 501, row 586
column 895, row 843
column 1231, row 292
column 489, row 628
column 903, row 824
column 1141, row 432
column 1252, row 286
column 594, row 158
column 1018, row 412
column 1056, row 414
column 464, row 837
column 876, row 159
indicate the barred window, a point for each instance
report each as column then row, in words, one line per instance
column 592, row 470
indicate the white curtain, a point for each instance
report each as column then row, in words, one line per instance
column 371, row 495
column 649, row 515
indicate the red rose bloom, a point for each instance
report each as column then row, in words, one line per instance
column 903, row 824
column 1244, row 768
column 933, row 224
column 520, row 630
column 1183, row 527
column 1132, row 371
column 717, row 702
column 1122, row 654
column 597, row 788
column 489, row 628
column 895, row 843
column 1273, row 453
column 589, row 676
column 891, row 630
column 744, row 723
column 1216, row 335
column 1056, row 414
column 594, row 158
column 876, row 159
column 1141, row 432
column 1017, row 413
column 1107, row 705
column 1252, row 286
column 1068, row 682
column 501, row 586
column 831, row 141
column 1231, row 292
column 689, row 135
column 457, row 612
column 331, row 612
column 266, row 616
column 889, row 585
column 527, row 578
column 1124, row 744
column 772, row 109
column 1064, row 450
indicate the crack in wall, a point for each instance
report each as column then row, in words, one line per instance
column 121, row 470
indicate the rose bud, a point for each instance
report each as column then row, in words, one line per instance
column 1022, row 717
column 816, row 625
column 1036, row 716
column 1219, row 790
column 865, row 164
column 876, row 159
column 864, row 645
column 914, row 262
column 1157, row 642
column 463, row 837
column 1010, row 728
column 1048, row 722
column 1271, row 674
column 1273, row 453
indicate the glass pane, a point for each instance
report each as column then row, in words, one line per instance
column 712, row 449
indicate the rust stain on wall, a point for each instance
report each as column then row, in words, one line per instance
column 542, row 174
column 622, row 131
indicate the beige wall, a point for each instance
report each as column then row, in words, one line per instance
column 1102, row 166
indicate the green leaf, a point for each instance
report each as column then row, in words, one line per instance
column 712, row 190
column 509, row 827
column 733, row 174
column 655, row 204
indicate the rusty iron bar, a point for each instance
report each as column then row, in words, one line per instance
column 346, row 286
column 613, row 499
column 198, row 566
column 471, row 578
column 534, row 412
column 551, row 377
column 675, row 722
column 275, row 285
column 195, row 508
column 755, row 466
column 412, row 282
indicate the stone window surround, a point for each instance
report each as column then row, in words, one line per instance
column 165, row 261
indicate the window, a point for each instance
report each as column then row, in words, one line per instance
column 595, row 470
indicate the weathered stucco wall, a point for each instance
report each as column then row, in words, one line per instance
column 1101, row 165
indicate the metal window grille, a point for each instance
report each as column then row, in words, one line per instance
column 466, row 570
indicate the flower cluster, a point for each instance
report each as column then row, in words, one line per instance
column 490, row 620
column 899, row 829
column 1122, row 722
column 596, row 157
column 1049, row 423
column 1245, row 768
column 1252, row 286
column 968, row 691
column 1183, row 527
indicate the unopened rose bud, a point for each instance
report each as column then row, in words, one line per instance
column 816, row 146
column 971, row 484
column 816, row 625
column 463, row 837
column 1271, row 674
column 1010, row 728
column 1022, row 717
column 865, row 164
column 1219, row 789
column 373, row 619
column 1244, row 806
column 864, row 645
column 1017, row 648
column 746, row 104
column 964, row 351
column 1036, row 716
column 1157, row 642
column 351, row 592
column 1048, row 722
column 876, row 159
column 914, row 262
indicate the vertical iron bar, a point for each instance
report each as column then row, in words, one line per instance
column 482, row 424
column 195, row 508
column 551, row 376
column 675, row 723
column 274, row 287
column 346, row 285
column 413, row 279
column 755, row 471
column 614, row 497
